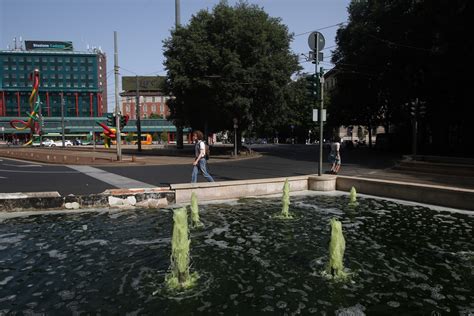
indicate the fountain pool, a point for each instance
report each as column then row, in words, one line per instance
column 402, row 260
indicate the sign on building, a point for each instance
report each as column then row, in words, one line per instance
column 48, row 45
column 145, row 83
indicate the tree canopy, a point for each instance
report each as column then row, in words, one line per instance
column 393, row 52
column 233, row 62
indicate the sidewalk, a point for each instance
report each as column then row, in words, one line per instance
column 108, row 156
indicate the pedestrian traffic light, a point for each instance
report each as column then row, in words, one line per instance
column 123, row 121
column 111, row 119
column 312, row 85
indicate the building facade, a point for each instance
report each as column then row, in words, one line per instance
column 355, row 134
column 77, row 77
column 152, row 100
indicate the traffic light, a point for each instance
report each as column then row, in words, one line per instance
column 418, row 108
column 111, row 119
column 312, row 85
column 123, row 121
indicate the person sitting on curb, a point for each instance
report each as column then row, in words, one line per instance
column 199, row 163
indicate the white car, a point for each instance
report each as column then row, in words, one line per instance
column 46, row 142
column 59, row 143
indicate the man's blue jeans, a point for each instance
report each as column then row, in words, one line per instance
column 201, row 166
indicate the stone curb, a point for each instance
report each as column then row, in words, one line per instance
column 422, row 193
column 62, row 157
column 34, row 201
column 180, row 193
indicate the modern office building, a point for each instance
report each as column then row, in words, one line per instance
column 78, row 77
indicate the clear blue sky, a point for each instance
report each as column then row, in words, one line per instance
column 142, row 25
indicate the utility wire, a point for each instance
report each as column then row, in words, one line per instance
column 388, row 42
column 323, row 28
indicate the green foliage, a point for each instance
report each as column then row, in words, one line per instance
column 129, row 137
column 231, row 62
column 392, row 52
column 164, row 137
column 154, row 116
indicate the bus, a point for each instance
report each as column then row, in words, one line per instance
column 146, row 139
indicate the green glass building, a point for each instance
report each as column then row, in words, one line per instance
column 78, row 77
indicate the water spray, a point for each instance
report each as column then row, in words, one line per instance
column 337, row 246
column 353, row 197
column 179, row 277
column 196, row 222
column 286, row 200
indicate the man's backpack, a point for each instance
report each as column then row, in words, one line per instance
column 206, row 150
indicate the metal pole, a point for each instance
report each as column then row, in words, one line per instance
column 40, row 123
column 320, row 118
column 320, row 169
column 139, row 125
column 177, row 13
column 62, row 119
column 117, row 111
column 93, row 135
column 415, row 137
column 235, row 142
column 178, row 122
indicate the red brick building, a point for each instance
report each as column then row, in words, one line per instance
column 152, row 100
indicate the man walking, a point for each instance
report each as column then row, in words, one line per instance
column 199, row 163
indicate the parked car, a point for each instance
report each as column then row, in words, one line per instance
column 46, row 142
column 59, row 143
column 77, row 142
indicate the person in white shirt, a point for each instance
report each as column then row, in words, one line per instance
column 335, row 156
column 199, row 163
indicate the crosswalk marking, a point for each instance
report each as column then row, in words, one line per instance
column 111, row 178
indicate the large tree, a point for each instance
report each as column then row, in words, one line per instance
column 233, row 62
column 394, row 52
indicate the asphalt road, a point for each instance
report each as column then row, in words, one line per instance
column 276, row 161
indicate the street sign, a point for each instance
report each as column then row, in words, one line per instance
column 316, row 41
column 316, row 116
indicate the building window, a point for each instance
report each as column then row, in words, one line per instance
column 153, row 108
column 162, row 108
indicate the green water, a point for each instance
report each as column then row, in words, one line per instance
column 403, row 260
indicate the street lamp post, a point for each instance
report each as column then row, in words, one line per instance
column 235, row 136
column 292, row 135
column 62, row 119
column 137, row 109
